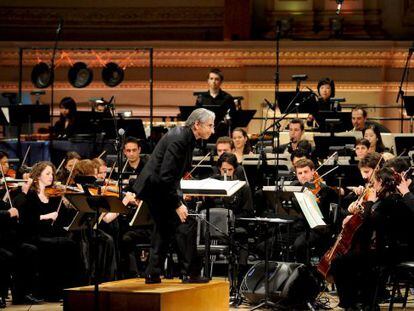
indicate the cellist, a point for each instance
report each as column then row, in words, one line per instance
column 383, row 239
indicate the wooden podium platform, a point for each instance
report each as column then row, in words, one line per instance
column 134, row 294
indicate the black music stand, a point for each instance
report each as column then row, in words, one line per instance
column 409, row 109
column 350, row 174
column 306, row 100
column 323, row 143
column 94, row 205
column 404, row 143
column 242, row 118
column 333, row 121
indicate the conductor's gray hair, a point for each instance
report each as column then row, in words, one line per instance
column 202, row 115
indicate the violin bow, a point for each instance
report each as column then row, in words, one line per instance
column 6, row 187
column 102, row 154
column 199, row 163
column 65, row 188
column 324, row 162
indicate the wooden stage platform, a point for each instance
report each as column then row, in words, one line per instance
column 134, row 294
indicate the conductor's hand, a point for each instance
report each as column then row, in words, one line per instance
column 182, row 212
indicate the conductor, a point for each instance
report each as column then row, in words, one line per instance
column 158, row 186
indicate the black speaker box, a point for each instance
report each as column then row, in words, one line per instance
column 289, row 283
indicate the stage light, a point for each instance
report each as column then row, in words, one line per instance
column 80, row 75
column 42, row 76
column 112, row 74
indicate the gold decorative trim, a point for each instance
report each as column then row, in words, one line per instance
column 194, row 85
column 224, row 58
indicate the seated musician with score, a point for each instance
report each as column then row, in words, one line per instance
column 241, row 143
column 381, row 238
column 240, row 203
column 224, row 144
column 318, row 239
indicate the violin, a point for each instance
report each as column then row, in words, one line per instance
column 60, row 190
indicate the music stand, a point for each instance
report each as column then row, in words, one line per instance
column 306, row 100
column 350, row 174
column 242, row 118
column 132, row 126
column 404, row 143
column 323, row 143
column 409, row 109
column 95, row 205
column 333, row 121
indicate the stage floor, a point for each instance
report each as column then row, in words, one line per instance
column 333, row 300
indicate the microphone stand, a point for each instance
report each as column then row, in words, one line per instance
column 118, row 144
column 400, row 90
column 52, row 68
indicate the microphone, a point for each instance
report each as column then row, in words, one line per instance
column 339, row 7
column 269, row 104
column 60, row 26
column 121, row 132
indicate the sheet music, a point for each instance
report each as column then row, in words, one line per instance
column 310, row 209
column 6, row 113
column 211, row 186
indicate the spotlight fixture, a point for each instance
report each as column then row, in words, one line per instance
column 80, row 75
column 112, row 74
column 42, row 75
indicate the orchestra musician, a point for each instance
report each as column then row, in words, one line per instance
column 132, row 151
column 71, row 158
column 241, row 203
column 58, row 254
column 373, row 135
column 241, row 143
column 360, row 121
column 326, row 91
column 157, row 185
column 309, row 238
column 216, row 97
column 384, row 239
column 224, row 144
column 65, row 127
column 362, row 148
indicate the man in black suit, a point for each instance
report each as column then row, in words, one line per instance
column 158, row 186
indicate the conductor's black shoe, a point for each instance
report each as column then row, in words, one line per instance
column 152, row 279
column 195, row 279
column 27, row 300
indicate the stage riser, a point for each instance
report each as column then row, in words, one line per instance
column 135, row 295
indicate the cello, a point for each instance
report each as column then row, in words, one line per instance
column 344, row 240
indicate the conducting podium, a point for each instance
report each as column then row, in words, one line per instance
column 212, row 188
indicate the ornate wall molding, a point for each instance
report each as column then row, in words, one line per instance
column 191, row 85
column 234, row 55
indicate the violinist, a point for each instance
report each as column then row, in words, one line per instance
column 107, row 234
column 309, row 238
column 4, row 161
column 366, row 167
column 71, row 158
column 384, row 239
column 101, row 168
column 37, row 212
column 406, row 186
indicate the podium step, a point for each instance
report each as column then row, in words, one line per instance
column 134, row 294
